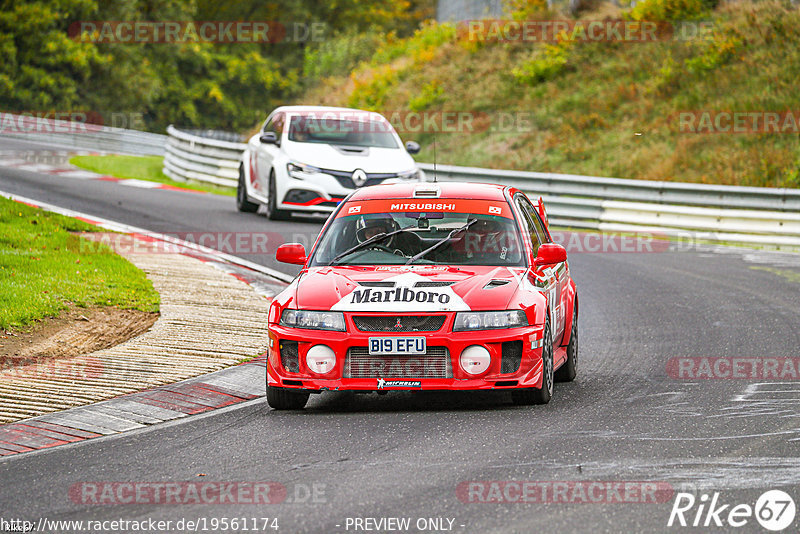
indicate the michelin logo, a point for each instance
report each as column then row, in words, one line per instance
column 383, row 384
column 402, row 297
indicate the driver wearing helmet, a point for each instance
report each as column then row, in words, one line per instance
column 377, row 225
column 484, row 240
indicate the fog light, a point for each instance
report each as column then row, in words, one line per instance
column 475, row 360
column 320, row 359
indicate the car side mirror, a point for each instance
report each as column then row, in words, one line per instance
column 291, row 253
column 550, row 253
column 268, row 138
column 412, row 147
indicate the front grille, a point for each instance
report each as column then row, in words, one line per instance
column 433, row 364
column 345, row 178
column 290, row 356
column 512, row 357
column 407, row 323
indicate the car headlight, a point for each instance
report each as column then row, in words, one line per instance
column 316, row 320
column 301, row 171
column 413, row 174
column 489, row 320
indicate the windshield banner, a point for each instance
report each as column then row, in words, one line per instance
column 477, row 207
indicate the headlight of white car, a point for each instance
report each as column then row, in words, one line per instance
column 316, row 320
column 489, row 320
column 414, row 174
column 300, row 170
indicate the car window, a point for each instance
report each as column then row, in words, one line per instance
column 537, row 222
column 529, row 215
column 488, row 237
column 308, row 129
column 277, row 124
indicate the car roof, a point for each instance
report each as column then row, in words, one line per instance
column 479, row 191
column 321, row 109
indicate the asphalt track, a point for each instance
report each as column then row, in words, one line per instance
column 404, row 455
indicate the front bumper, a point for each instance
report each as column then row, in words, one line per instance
column 528, row 374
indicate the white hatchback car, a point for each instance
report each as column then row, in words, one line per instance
column 308, row 159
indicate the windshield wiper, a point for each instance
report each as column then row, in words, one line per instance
column 374, row 239
column 438, row 244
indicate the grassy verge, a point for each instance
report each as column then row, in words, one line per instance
column 599, row 108
column 142, row 168
column 44, row 268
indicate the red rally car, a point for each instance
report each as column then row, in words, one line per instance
column 432, row 286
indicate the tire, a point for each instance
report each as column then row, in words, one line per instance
column 242, row 203
column 568, row 371
column 273, row 213
column 286, row 399
column 542, row 395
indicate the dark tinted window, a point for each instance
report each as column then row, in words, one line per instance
column 530, row 219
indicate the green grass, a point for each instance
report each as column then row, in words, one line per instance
column 142, row 168
column 602, row 108
column 44, row 268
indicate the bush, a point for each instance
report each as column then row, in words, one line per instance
column 662, row 10
column 546, row 63
column 338, row 56
column 430, row 95
column 425, row 41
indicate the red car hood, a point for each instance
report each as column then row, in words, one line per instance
column 399, row 289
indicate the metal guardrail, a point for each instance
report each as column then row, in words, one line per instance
column 756, row 215
column 81, row 136
column 205, row 159
column 759, row 215
column 545, row 183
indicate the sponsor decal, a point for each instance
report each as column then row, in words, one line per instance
column 402, row 297
column 384, row 384
column 447, row 206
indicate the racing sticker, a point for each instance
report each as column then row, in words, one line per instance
column 385, row 384
column 404, row 296
column 460, row 205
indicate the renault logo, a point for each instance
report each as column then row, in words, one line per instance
column 359, row 177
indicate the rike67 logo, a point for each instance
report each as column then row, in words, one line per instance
column 774, row 510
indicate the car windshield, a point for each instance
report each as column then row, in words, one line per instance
column 398, row 232
column 366, row 133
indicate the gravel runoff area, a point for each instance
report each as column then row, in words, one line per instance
column 209, row 320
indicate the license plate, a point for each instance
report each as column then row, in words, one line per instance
column 396, row 345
